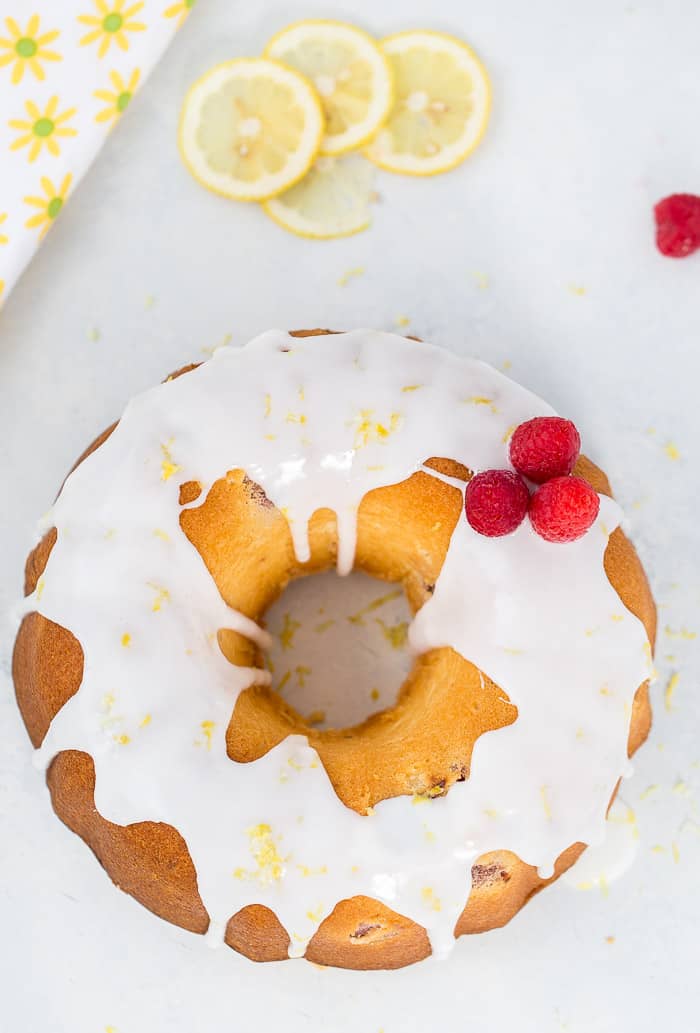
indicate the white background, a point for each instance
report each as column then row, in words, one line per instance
column 595, row 118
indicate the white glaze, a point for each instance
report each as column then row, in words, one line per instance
column 306, row 419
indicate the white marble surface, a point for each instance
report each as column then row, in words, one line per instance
column 592, row 122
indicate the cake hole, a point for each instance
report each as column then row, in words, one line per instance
column 340, row 651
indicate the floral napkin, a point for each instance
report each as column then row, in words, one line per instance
column 68, row 70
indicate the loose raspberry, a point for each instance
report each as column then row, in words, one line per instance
column 563, row 509
column 545, row 447
column 678, row 225
column 496, row 502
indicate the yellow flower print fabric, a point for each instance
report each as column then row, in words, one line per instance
column 68, row 71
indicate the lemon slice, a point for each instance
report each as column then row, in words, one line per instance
column 442, row 104
column 332, row 200
column 250, row 128
column 350, row 73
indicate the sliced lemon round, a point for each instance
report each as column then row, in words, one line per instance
column 250, row 128
column 350, row 72
column 332, row 200
column 443, row 98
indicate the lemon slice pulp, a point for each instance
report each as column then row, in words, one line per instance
column 442, row 104
column 350, row 72
column 332, row 200
column 250, row 129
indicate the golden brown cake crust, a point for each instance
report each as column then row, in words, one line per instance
column 394, row 752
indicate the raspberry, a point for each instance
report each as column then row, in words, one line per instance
column 545, row 447
column 678, row 225
column 563, row 509
column 496, row 502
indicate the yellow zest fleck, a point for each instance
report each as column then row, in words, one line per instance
column 294, row 764
column 313, row 765
column 167, row 467
column 420, row 798
column 301, row 394
column 411, row 387
column 605, row 691
column 684, row 634
column 264, row 851
column 162, row 596
column 302, row 674
column 108, row 701
column 478, row 400
column 490, row 812
column 506, row 365
column 671, row 451
column 609, row 939
column 239, row 873
column 651, row 430
column 374, row 469
column 429, row 899
column 355, row 869
column 289, row 630
column 649, row 791
column 123, row 740
column 374, row 695
column 580, row 734
column 324, row 625
column 584, row 885
column 681, row 788
column 606, row 532
column 40, row 585
column 545, row 803
column 160, row 533
column 402, row 321
column 145, row 721
column 482, row 281
column 670, row 690
column 308, row 872
column 126, row 640
column 315, row 916
column 316, row 717
column 350, row 274
column 658, row 849
column 268, row 405
column 369, row 430
column 603, row 885
column 509, row 433
column 110, row 1029
column 286, row 514
column 356, row 618
column 675, row 852
column 617, row 617
column 513, row 652
column 293, row 417
column 285, row 678
column 577, row 290
column 436, row 526
column 630, row 818
column 395, row 634
column 270, row 437
column 208, row 729
column 429, row 835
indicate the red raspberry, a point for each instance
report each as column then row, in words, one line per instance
column 678, row 225
column 563, row 509
column 545, row 447
column 496, row 502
